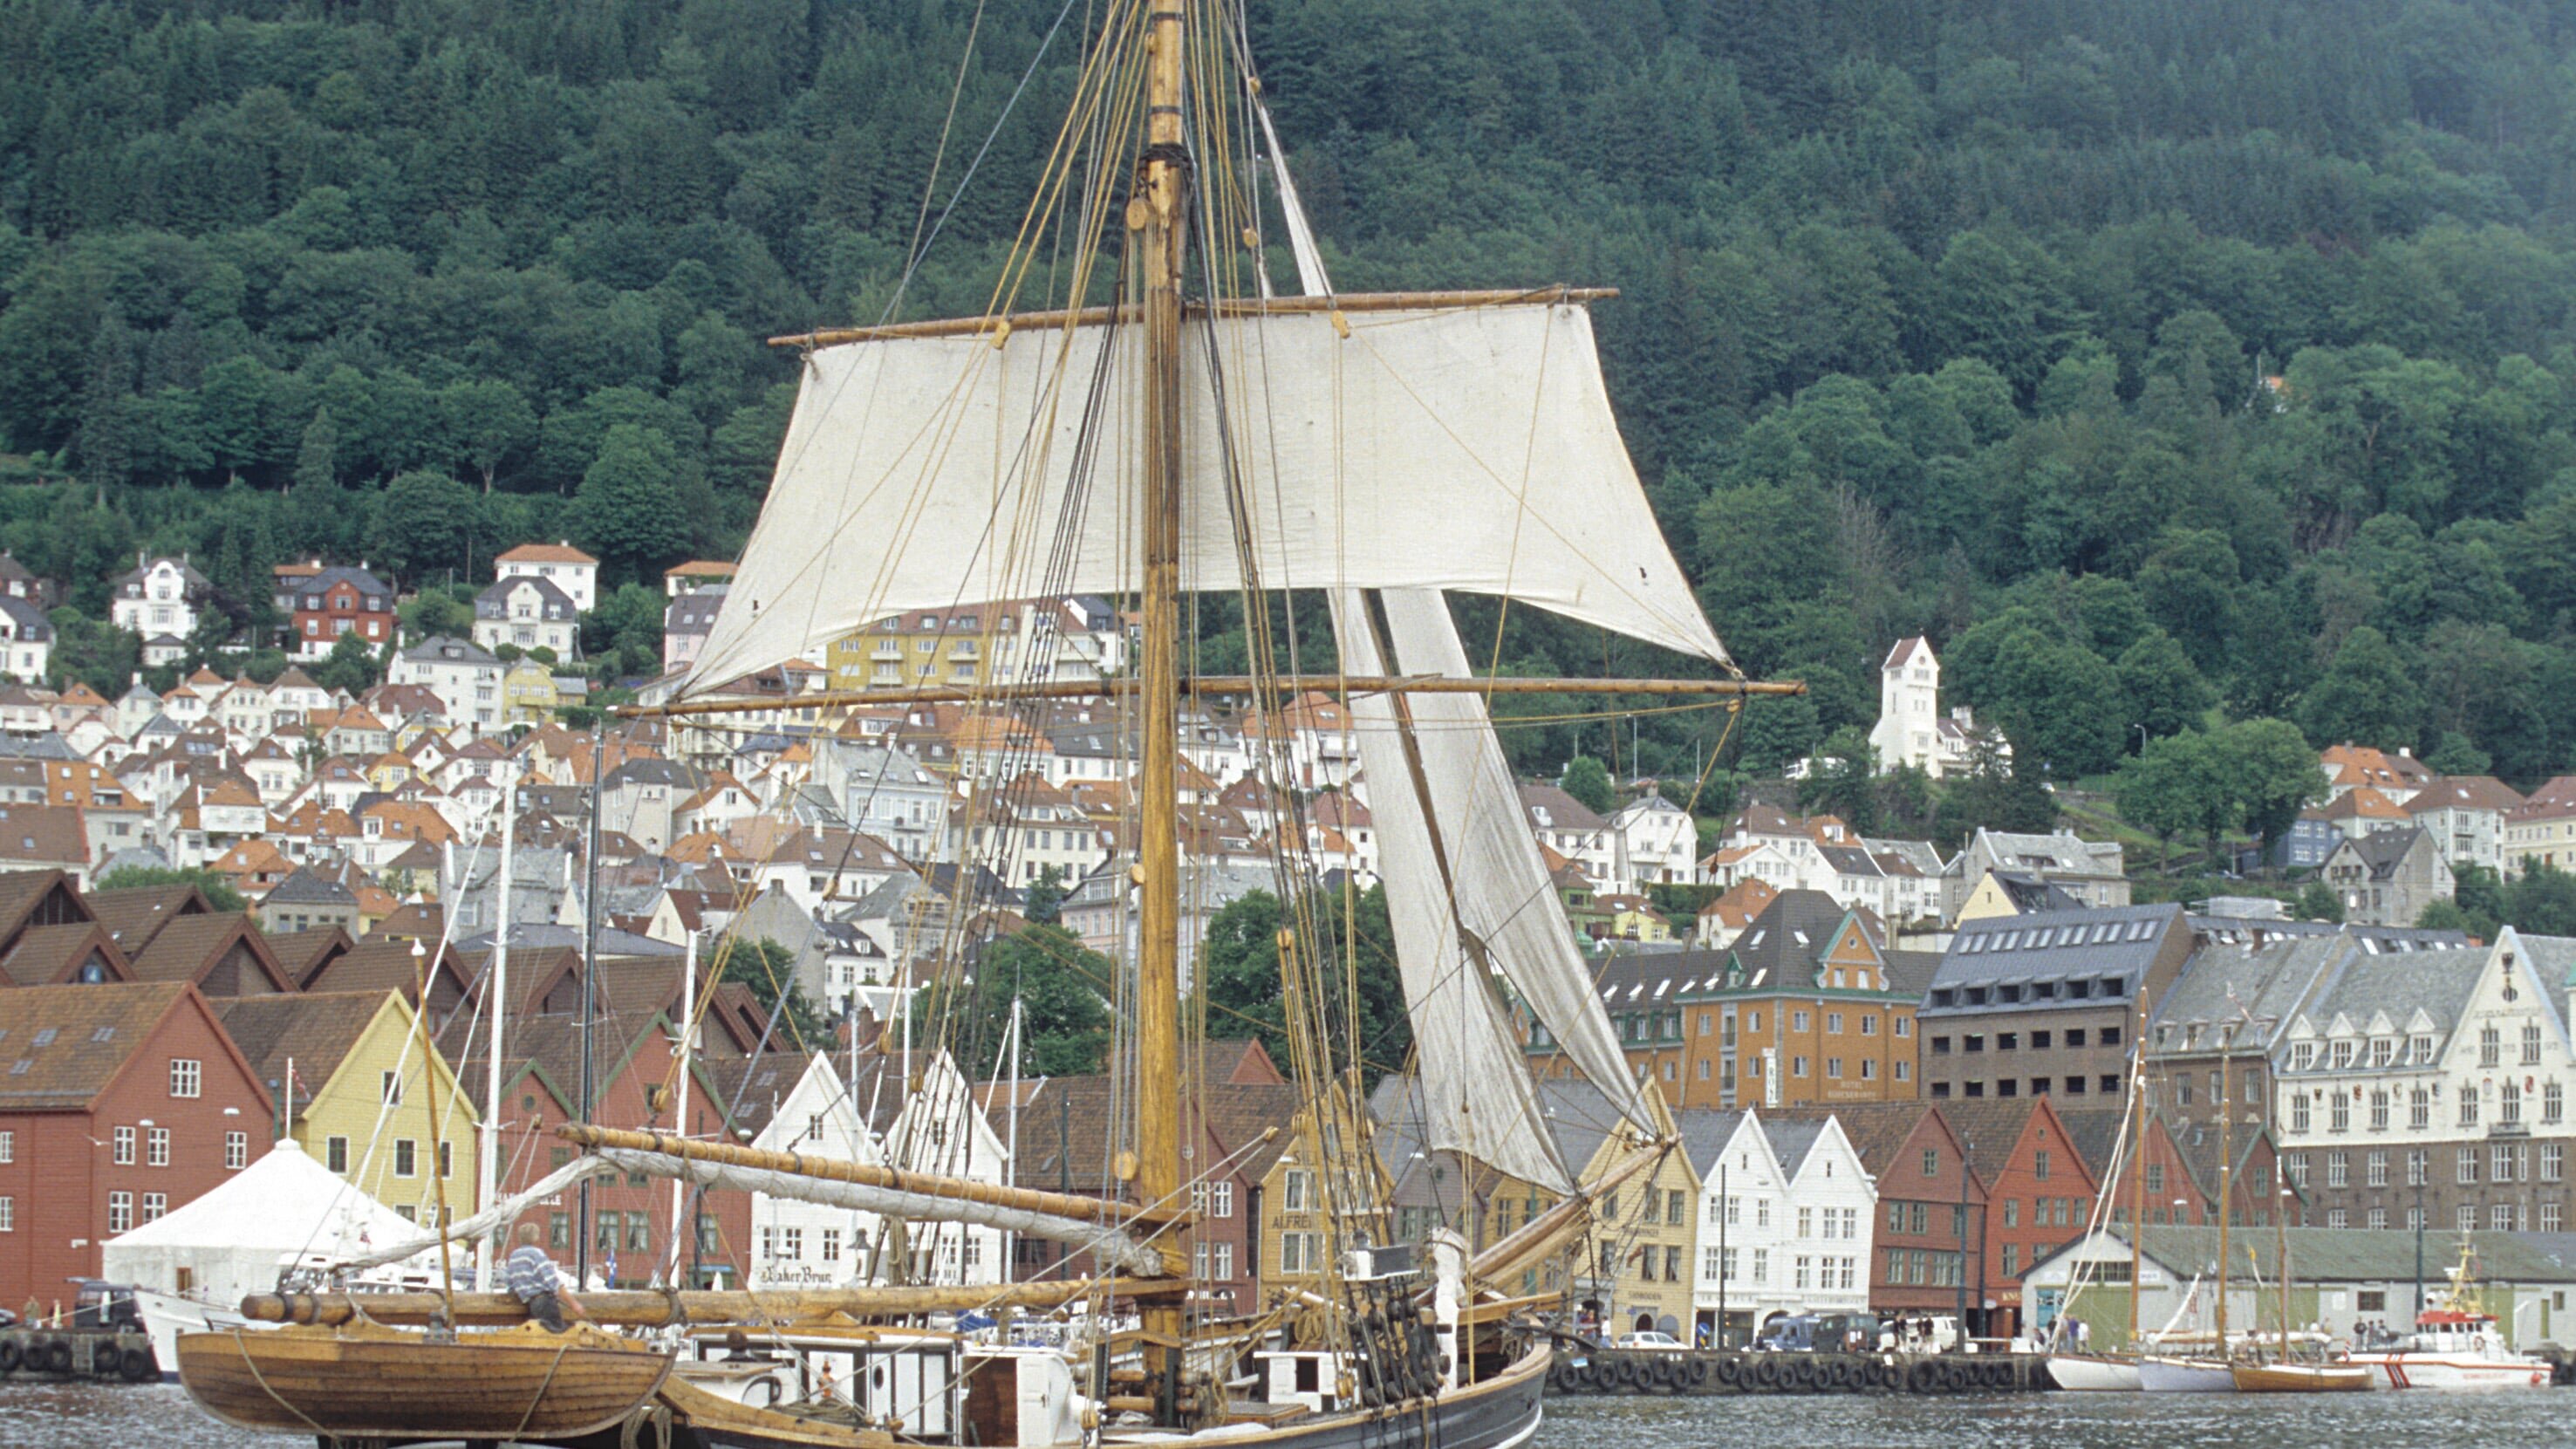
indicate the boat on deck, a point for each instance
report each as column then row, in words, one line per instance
column 366, row 1380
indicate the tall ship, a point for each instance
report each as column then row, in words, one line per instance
column 1146, row 413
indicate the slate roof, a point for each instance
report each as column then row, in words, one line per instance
column 2220, row 982
column 2114, row 942
column 694, row 612
column 135, row 915
column 1704, row 1132
column 1792, row 1138
column 493, row 603
column 1549, row 808
column 2438, row 983
column 2382, row 851
column 307, row 886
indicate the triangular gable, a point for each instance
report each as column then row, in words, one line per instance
column 191, row 999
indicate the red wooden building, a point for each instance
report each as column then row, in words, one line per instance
column 1930, row 1214
column 325, row 602
column 118, row 1103
column 634, row 1053
column 2038, row 1189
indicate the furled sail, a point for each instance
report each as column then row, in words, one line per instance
column 1503, row 895
column 1466, row 447
column 1477, row 1097
column 1113, row 1247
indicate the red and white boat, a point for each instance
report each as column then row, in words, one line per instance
column 2454, row 1351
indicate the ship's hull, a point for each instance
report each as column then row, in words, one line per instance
column 166, row 1315
column 2085, row 1374
column 1500, row 1413
column 2456, row 1375
column 2184, row 1376
column 2300, row 1378
column 515, row 1384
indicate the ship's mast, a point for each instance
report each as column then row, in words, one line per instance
column 1155, row 215
column 2137, row 1166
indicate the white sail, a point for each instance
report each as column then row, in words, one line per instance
column 1464, row 448
column 1476, row 1091
column 1504, row 896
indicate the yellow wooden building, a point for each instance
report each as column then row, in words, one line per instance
column 355, row 1088
column 528, row 694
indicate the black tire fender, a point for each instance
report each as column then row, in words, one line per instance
column 10, row 1355
column 136, row 1365
column 1730, row 1371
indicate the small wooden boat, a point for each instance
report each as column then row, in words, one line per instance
column 366, row 1380
column 2300, row 1378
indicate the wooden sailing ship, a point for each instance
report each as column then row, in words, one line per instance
column 1198, row 431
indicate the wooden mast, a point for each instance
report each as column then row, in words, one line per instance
column 2137, row 1167
column 2226, row 1169
column 1156, row 216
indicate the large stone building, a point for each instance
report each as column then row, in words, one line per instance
column 2046, row 1003
column 1911, row 728
column 1807, row 1005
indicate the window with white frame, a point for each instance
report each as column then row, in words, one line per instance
column 187, row 1076
column 121, row 1146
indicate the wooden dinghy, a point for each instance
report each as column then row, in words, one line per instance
column 2300, row 1378
column 369, row 1381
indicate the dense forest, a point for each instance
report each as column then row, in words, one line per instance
column 2168, row 362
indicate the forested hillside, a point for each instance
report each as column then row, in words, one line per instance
column 2156, row 357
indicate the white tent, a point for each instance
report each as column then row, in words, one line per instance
column 232, row 1241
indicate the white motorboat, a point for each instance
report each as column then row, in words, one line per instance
column 2454, row 1352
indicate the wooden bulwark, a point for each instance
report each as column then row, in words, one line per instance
column 639, row 1309
column 373, row 1382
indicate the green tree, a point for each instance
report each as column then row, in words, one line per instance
column 1060, row 984
column 2455, row 755
column 2318, row 902
column 2163, row 689
column 627, row 508
column 317, row 453
column 1842, row 780
column 351, row 667
column 2274, row 772
column 438, row 609
column 1588, row 781
column 1046, row 898
column 424, row 522
column 485, row 420
column 217, row 888
column 769, row 969
column 2178, row 783
column 2367, row 696
column 1240, row 956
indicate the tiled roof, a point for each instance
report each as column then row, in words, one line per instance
column 60, row 1046
column 317, row 1029
column 546, row 553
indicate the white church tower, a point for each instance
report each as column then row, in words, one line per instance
column 1909, row 708
column 1911, row 728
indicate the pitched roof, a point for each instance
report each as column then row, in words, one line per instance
column 185, row 947
column 43, row 833
column 2463, row 792
column 136, row 914
column 317, row 1029
column 303, row 954
column 1990, row 1127
column 46, row 955
column 60, row 1046
column 546, row 553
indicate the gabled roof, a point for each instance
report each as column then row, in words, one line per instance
column 303, row 954
column 1550, row 808
column 2382, row 851
column 76, row 1040
column 52, row 955
column 316, row 1029
column 185, row 948
column 135, row 915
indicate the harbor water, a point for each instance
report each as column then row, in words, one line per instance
column 83, row 1416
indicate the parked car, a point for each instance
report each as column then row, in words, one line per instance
column 1652, row 1343
column 1789, row 1333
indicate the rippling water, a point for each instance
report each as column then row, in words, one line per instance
column 79, row 1416
column 2068, row 1421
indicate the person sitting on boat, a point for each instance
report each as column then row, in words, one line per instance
column 533, row 1280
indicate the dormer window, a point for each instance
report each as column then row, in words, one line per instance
column 2342, row 1055
column 2383, row 1050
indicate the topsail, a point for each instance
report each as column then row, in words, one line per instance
column 1458, row 448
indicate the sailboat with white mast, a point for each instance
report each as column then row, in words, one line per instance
column 1169, row 423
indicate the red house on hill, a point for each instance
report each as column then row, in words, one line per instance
column 118, row 1103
